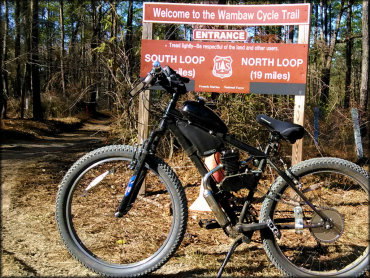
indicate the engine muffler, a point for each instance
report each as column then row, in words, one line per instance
column 220, row 215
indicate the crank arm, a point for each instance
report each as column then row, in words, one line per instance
column 269, row 224
column 243, row 228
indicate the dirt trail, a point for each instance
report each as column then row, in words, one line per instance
column 30, row 173
column 31, row 245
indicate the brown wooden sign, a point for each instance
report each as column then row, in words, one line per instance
column 225, row 67
column 258, row 71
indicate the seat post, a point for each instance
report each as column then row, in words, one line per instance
column 271, row 148
column 274, row 143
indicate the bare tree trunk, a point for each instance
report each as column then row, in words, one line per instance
column 49, row 42
column 5, row 83
column 316, row 10
column 128, row 37
column 17, row 50
column 364, row 94
column 37, row 109
column 325, row 72
column 74, row 70
column 61, row 23
column 313, row 66
column 2, row 98
column 94, row 59
column 329, row 20
column 94, row 44
column 349, row 45
column 5, row 46
column 322, row 21
column 291, row 34
column 325, row 16
column 26, row 86
column 114, row 32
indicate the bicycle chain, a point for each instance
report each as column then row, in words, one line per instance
column 295, row 180
column 267, row 195
column 296, row 202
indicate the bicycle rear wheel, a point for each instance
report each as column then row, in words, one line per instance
column 340, row 190
column 139, row 242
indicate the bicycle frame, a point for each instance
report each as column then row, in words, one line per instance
column 234, row 187
column 223, row 215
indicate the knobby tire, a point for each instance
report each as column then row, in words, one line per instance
column 341, row 189
column 136, row 244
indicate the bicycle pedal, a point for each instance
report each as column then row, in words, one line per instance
column 209, row 224
column 273, row 228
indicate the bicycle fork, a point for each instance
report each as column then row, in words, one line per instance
column 138, row 164
column 133, row 186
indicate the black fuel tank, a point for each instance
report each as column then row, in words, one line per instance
column 201, row 115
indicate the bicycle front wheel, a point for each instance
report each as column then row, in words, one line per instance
column 340, row 190
column 139, row 242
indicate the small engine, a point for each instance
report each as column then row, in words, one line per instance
column 234, row 180
column 230, row 160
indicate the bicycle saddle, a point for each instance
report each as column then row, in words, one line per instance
column 288, row 131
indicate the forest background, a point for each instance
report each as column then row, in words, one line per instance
column 66, row 58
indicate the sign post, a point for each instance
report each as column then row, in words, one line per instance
column 299, row 100
column 144, row 103
column 357, row 134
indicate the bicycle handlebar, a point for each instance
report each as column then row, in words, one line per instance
column 166, row 77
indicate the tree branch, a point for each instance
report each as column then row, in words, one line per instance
column 352, row 37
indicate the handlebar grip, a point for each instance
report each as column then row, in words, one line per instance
column 163, row 76
column 147, row 81
column 136, row 89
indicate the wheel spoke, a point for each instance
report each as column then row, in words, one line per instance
column 138, row 242
column 344, row 199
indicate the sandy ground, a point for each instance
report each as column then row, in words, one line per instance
column 31, row 246
column 30, row 173
column 30, row 243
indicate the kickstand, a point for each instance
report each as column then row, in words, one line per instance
column 239, row 240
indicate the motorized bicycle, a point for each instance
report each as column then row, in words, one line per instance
column 313, row 220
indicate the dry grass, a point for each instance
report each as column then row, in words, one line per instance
column 200, row 254
column 30, row 129
column 40, row 251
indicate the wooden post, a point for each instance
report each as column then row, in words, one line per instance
column 357, row 134
column 144, row 103
column 299, row 101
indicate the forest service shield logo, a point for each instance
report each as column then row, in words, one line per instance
column 222, row 66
